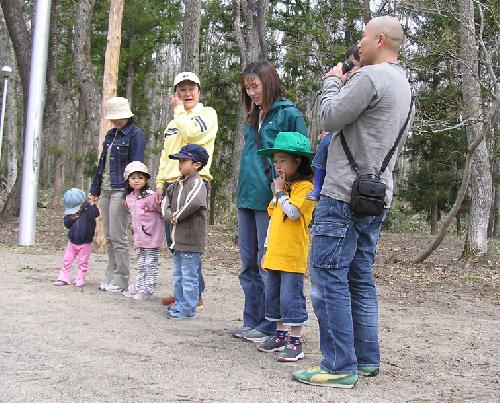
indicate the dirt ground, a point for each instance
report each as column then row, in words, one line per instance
column 439, row 331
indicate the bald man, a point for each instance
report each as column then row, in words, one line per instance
column 372, row 109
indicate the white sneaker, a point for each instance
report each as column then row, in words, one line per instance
column 103, row 287
column 114, row 288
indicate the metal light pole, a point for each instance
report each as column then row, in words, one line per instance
column 6, row 72
column 36, row 102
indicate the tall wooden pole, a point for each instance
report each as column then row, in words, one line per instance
column 109, row 83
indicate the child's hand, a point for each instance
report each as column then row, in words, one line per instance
column 279, row 183
column 173, row 221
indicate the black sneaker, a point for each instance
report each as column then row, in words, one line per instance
column 291, row 353
column 274, row 343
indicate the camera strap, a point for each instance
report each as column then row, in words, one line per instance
column 389, row 155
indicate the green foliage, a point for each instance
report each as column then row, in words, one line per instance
column 89, row 163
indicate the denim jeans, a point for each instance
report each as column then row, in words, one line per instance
column 285, row 299
column 168, row 237
column 343, row 290
column 185, row 277
column 252, row 230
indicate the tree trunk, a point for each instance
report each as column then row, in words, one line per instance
column 109, row 83
column 367, row 14
column 434, row 217
column 83, row 62
column 129, row 82
column 79, row 149
column 9, row 146
column 190, row 60
column 252, row 46
column 15, row 19
column 476, row 244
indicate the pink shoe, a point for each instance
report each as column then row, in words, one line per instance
column 60, row 283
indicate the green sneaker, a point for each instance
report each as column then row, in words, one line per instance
column 368, row 371
column 318, row 376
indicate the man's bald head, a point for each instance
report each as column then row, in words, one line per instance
column 381, row 41
column 391, row 28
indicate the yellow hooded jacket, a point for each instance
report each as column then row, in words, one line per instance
column 288, row 240
column 196, row 126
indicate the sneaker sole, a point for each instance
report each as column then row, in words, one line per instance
column 290, row 359
column 370, row 374
column 256, row 339
column 329, row 385
column 272, row 350
column 181, row 318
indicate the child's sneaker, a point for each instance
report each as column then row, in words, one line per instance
column 78, row 284
column 130, row 292
column 60, row 283
column 169, row 300
column 272, row 344
column 291, row 353
column 143, row 296
column 176, row 315
column 103, row 287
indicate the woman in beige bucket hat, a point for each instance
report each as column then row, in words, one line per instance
column 124, row 143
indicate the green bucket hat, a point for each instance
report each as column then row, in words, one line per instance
column 289, row 142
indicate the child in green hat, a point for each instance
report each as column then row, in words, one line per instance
column 287, row 243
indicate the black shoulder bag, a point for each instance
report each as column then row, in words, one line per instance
column 368, row 191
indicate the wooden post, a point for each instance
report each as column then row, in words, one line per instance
column 109, row 83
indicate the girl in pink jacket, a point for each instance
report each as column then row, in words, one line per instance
column 147, row 227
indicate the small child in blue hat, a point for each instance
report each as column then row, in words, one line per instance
column 185, row 207
column 79, row 218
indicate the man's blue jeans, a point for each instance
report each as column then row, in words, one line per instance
column 186, row 282
column 343, row 290
column 252, row 230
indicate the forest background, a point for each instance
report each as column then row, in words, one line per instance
column 451, row 53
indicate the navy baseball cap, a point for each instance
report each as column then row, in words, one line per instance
column 191, row 152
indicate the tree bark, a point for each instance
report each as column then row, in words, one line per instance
column 456, row 206
column 15, row 19
column 190, row 59
column 366, row 12
column 252, row 47
column 434, row 217
column 109, row 83
column 476, row 244
column 83, row 62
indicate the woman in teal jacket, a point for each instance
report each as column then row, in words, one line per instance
column 268, row 113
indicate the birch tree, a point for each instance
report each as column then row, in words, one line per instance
column 190, row 59
column 476, row 244
column 249, row 29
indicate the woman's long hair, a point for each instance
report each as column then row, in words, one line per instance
column 271, row 86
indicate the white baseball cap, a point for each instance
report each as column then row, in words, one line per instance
column 118, row 108
column 186, row 76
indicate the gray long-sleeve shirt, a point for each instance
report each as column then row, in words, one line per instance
column 370, row 108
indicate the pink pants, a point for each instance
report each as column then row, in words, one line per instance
column 73, row 251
